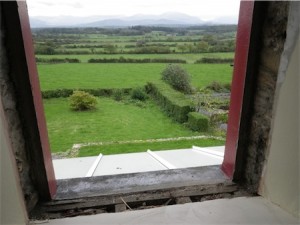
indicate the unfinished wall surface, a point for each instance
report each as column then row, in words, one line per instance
column 272, row 37
column 280, row 182
column 12, row 118
column 12, row 206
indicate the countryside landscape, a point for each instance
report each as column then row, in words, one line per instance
column 132, row 74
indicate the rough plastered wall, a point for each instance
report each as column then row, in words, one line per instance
column 15, row 131
column 280, row 182
column 273, row 38
column 12, row 205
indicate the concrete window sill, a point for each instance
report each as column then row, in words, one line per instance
column 116, row 193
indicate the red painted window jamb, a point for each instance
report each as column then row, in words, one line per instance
column 238, row 85
column 36, row 93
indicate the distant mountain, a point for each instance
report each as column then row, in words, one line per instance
column 65, row 21
column 37, row 23
column 170, row 18
column 225, row 20
column 143, row 22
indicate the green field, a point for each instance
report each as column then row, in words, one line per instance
column 127, row 120
column 84, row 75
column 111, row 121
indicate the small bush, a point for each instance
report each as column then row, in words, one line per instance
column 219, row 87
column 139, row 94
column 178, row 78
column 198, row 122
column 81, row 101
column 219, row 118
column 118, row 95
column 227, row 86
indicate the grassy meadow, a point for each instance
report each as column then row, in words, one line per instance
column 111, row 121
column 118, row 75
column 127, row 120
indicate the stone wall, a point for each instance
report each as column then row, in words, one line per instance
column 272, row 43
column 8, row 99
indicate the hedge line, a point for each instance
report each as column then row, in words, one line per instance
column 127, row 60
column 57, row 60
column 174, row 103
column 197, row 121
column 214, row 60
column 64, row 93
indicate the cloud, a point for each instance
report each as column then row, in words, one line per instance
column 76, row 5
column 198, row 8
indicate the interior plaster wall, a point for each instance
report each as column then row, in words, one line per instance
column 280, row 182
column 12, row 206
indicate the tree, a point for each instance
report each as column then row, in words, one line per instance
column 190, row 47
column 178, row 78
column 44, row 49
column 202, row 46
column 140, row 43
column 110, row 48
column 182, row 48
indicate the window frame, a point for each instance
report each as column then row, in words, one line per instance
column 29, row 82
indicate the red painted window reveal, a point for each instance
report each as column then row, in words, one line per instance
column 36, row 93
column 238, row 84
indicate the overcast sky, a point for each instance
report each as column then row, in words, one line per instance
column 204, row 9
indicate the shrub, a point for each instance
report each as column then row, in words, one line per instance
column 219, row 87
column 197, row 121
column 118, row 95
column 227, row 86
column 219, row 118
column 174, row 103
column 202, row 102
column 139, row 94
column 80, row 101
column 178, row 78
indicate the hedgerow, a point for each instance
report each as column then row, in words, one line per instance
column 139, row 94
column 130, row 60
column 174, row 103
column 64, row 93
column 57, row 60
column 197, row 121
column 214, row 60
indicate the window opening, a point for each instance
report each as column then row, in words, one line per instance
column 121, row 64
